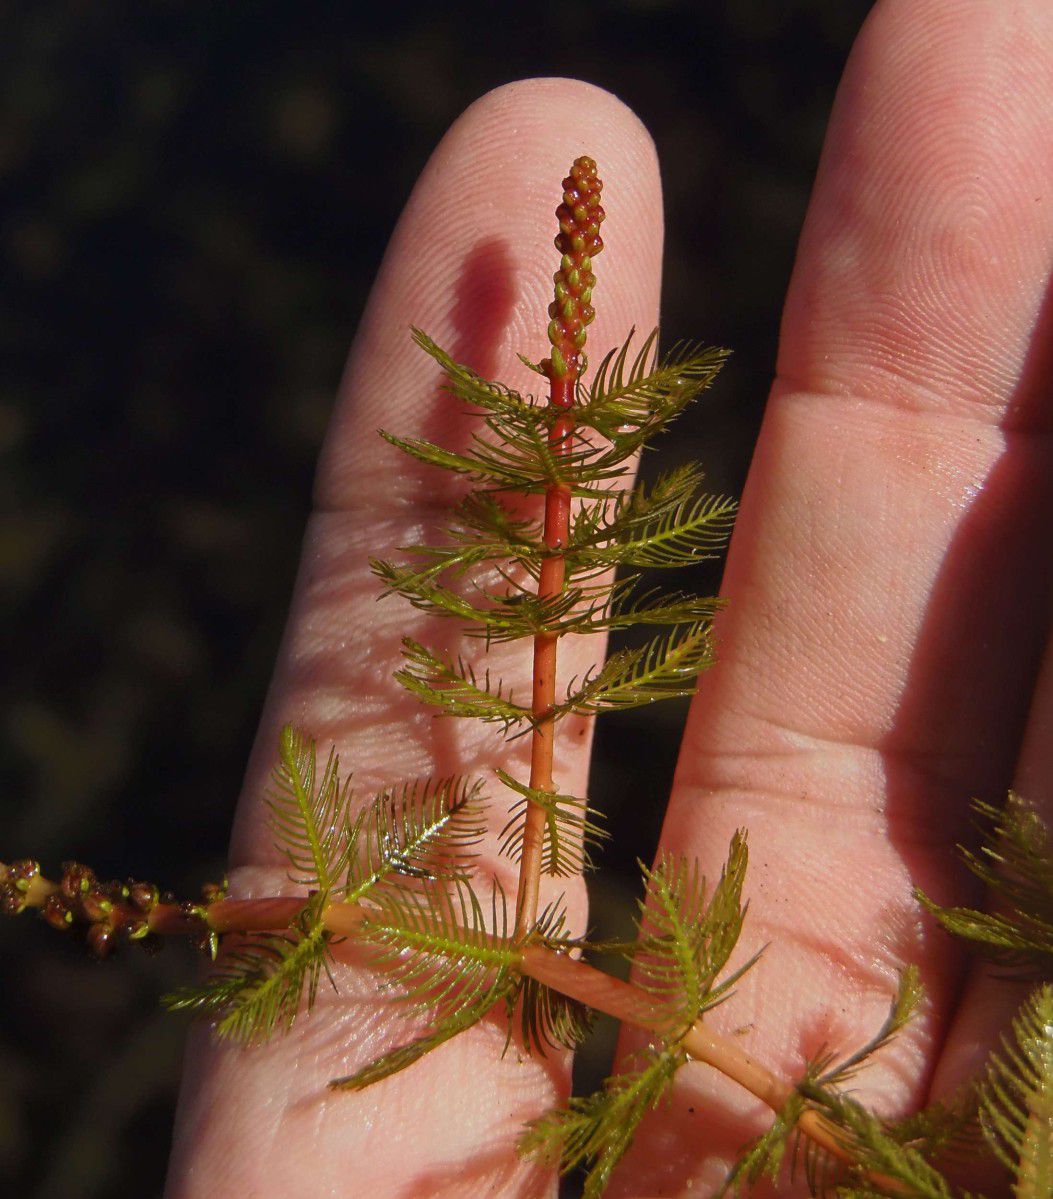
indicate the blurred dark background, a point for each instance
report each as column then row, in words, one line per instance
column 186, row 246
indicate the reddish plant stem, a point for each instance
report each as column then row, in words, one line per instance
column 543, row 695
column 226, row 916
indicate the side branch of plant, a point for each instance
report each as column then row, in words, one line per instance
column 570, row 977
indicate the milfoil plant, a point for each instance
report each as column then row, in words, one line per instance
column 547, row 540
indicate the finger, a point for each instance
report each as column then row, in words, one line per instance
column 887, row 580
column 471, row 263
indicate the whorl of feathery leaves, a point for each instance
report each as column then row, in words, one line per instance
column 407, row 837
column 686, row 936
column 882, row 1162
column 1015, row 861
column 595, row 1131
column 666, row 667
column 547, row 1019
column 626, row 404
column 457, row 964
column 901, row 1151
column 518, row 612
column 570, row 830
column 685, row 941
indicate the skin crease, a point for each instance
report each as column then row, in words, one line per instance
column 888, row 585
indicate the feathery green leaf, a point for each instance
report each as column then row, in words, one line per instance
column 943, row 1131
column 685, row 939
column 691, row 532
column 1016, row 862
column 519, row 457
column 456, row 557
column 445, row 1030
column 764, row 1156
column 645, row 397
column 909, row 994
column 437, row 944
column 570, row 830
column 481, row 530
column 620, row 512
column 598, row 1129
column 465, row 384
column 259, row 987
column 1016, row 1098
column 618, row 608
column 308, row 812
column 1016, row 945
column 498, row 618
column 456, row 689
column 665, row 668
column 421, row 830
column 548, row 1019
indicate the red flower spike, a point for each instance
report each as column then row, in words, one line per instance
column 579, row 241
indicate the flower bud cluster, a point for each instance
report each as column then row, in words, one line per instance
column 112, row 911
column 579, row 241
column 108, row 912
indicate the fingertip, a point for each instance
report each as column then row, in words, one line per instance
column 924, row 260
column 471, row 262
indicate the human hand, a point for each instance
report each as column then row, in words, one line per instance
column 892, row 503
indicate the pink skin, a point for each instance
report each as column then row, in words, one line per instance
column 888, row 586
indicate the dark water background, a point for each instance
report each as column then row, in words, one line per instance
column 186, row 245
